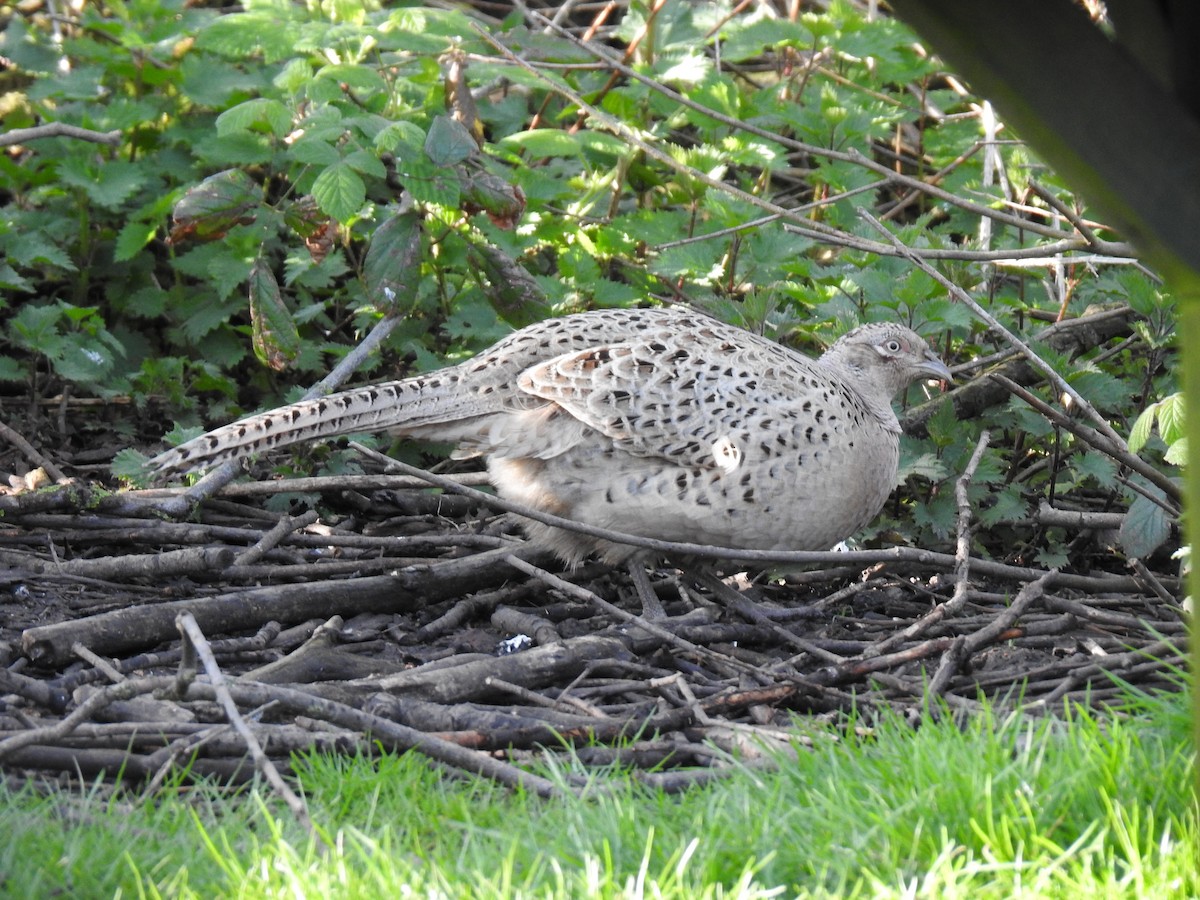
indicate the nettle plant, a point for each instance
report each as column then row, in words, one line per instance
column 291, row 173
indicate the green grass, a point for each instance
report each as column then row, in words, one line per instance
column 1095, row 806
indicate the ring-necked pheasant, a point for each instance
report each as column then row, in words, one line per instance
column 658, row 422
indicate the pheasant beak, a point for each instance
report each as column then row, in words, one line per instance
column 934, row 369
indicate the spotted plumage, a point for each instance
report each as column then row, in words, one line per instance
column 659, row 422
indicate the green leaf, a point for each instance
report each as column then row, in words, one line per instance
column 83, row 360
column 11, row 370
column 1146, row 526
column 314, row 151
column 361, row 79
column 367, row 163
column 239, row 35
column 339, row 191
column 1008, row 505
column 132, row 237
column 1140, row 433
column 398, row 135
column 276, row 340
column 944, row 427
column 271, row 114
column 33, row 248
column 927, row 465
column 109, row 184
column 430, row 184
column 1170, row 418
column 392, row 268
column 37, row 328
column 541, row 143
column 449, row 142
column 1177, row 452
column 129, row 463
column 12, row 280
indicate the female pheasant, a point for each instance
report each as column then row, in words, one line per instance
column 657, row 422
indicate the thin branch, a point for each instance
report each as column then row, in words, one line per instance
column 18, row 441
column 1119, row 451
column 191, row 633
column 58, row 129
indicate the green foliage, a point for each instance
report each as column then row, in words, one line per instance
column 1168, row 412
column 287, row 174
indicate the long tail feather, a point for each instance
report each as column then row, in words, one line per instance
column 404, row 406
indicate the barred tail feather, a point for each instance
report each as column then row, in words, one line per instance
column 415, row 404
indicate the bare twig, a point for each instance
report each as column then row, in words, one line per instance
column 1118, row 451
column 285, row 526
column 18, row 441
column 962, row 558
column 191, row 633
column 58, row 129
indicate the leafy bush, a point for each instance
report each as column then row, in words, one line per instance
column 289, row 173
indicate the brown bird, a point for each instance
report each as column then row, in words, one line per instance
column 656, row 422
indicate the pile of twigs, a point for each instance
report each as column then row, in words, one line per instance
column 227, row 641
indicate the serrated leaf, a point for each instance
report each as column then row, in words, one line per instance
column 276, row 340
column 367, row 163
column 944, row 427
column 34, row 248
column 12, row 280
column 449, row 142
column 108, row 185
column 36, row 328
column 1097, row 466
column 130, row 463
column 11, row 370
column 430, row 184
column 1007, row 505
column 927, row 465
column 1145, row 528
column 239, row 35
column 82, row 360
column 392, row 268
column 132, row 238
column 362, row 79
column 339, row 191
column 400, row 134
column 314, row 151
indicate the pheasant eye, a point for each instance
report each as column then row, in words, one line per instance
column 892, row 346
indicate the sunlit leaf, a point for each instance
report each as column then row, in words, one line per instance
column 340, row 191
